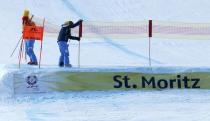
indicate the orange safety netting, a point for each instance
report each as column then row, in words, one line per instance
column 135, row 30
column 180, row 30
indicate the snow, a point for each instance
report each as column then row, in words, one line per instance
column 167, row 105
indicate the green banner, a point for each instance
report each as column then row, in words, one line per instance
column 128, row 81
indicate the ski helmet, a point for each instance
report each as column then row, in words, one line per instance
column 67, row 23
column 26, row 13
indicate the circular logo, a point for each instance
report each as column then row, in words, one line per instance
column 31, row 80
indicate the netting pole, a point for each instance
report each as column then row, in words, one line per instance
column 149, row 53
column 79, row 55
column 150, row 35
column 40, row 54
column 20, row 52
column 24, row 52
column 80, row 35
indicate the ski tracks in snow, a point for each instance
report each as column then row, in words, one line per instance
column 127, row 51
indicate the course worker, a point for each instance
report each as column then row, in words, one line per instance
column 29, row 43
column 63, row 38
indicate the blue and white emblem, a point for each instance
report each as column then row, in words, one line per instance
column 31, row 81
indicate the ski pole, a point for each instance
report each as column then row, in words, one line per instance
column 16, row 46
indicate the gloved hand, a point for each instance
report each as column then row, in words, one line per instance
column 79, row 39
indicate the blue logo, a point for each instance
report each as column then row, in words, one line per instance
column 31, row 81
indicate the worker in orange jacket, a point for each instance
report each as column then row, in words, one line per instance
column 29, row 44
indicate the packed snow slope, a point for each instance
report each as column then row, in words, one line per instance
column 167, row 105
column 104, row 51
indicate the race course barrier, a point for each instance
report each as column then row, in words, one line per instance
column 60, row 80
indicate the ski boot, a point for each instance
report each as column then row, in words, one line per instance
column 68, row 65
column 61, row 64
column 32, row 63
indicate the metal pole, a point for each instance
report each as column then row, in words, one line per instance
column 40, row 54
column 150, row 35
column 20, row 52
column 149, row 52
column 79, row 55
column 80, row 35
column 16, row 46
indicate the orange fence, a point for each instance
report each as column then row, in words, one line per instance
column 132, row 30
column 135, row 29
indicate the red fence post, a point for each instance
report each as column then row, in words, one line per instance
column 80, row 30
column 80, row 35
column 150, row 28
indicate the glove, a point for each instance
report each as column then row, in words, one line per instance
column 79, row 39
column 80, row 20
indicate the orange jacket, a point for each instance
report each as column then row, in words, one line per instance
column 26, row 21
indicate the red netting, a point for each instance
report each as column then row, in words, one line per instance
column 127, row 30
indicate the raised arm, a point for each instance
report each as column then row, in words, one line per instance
column 76, row 24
